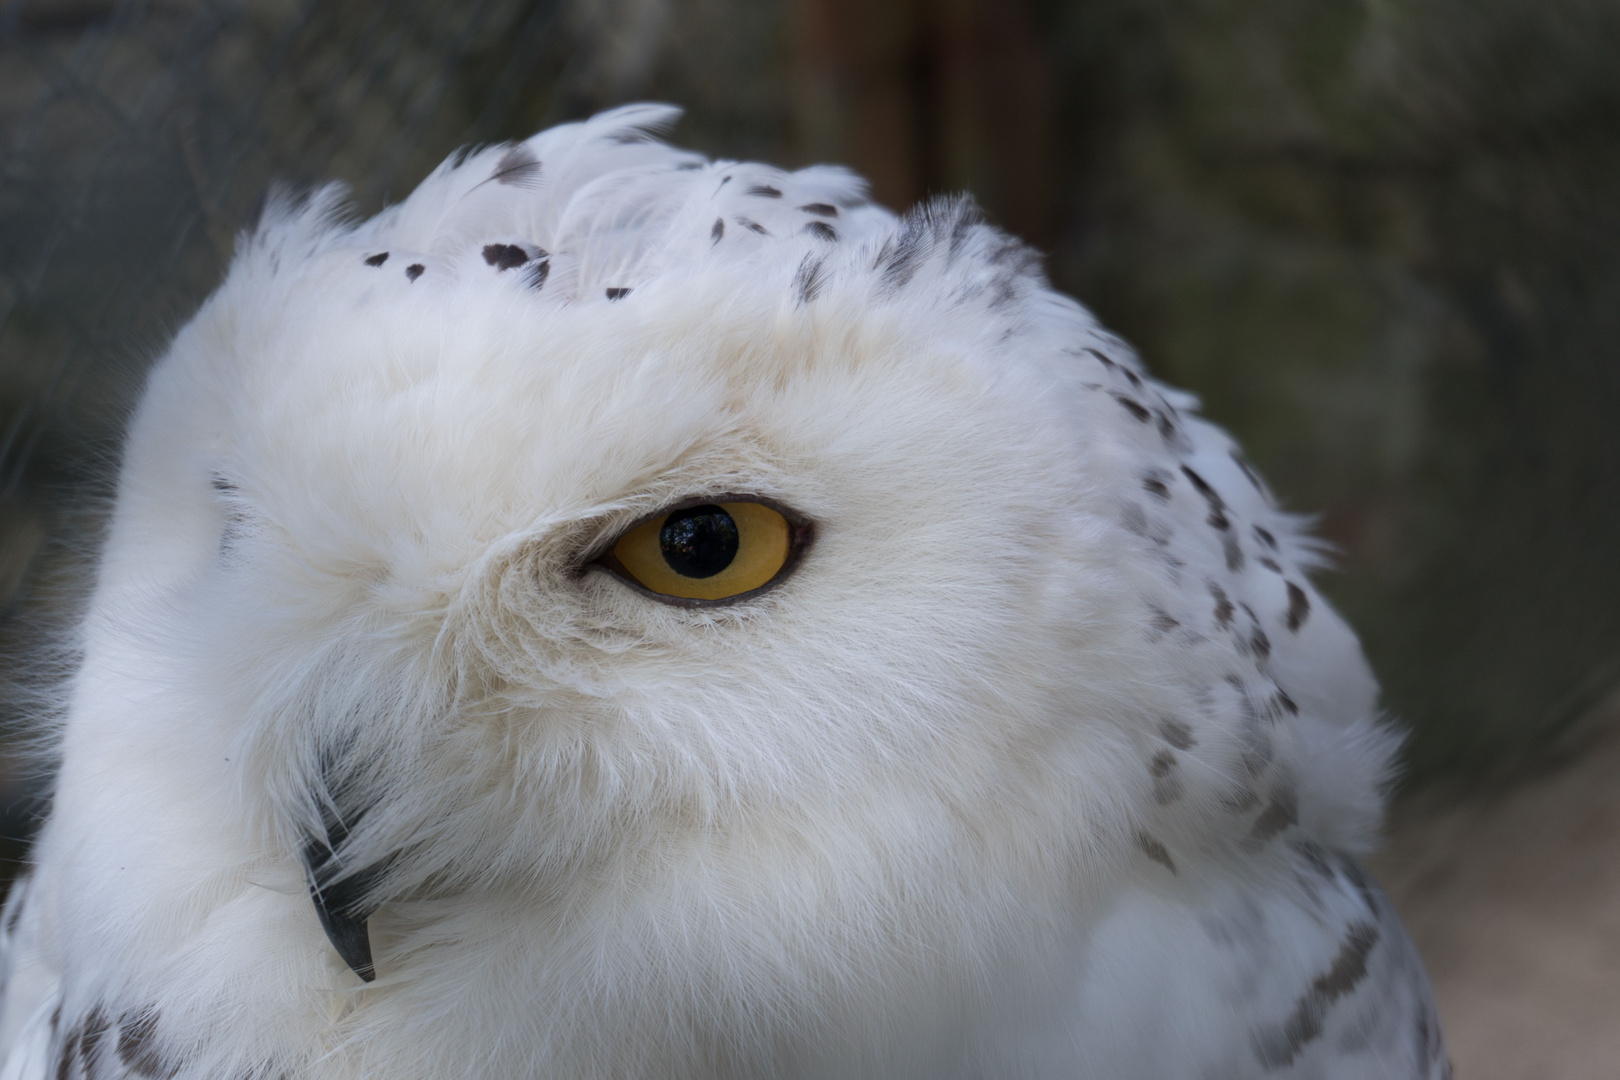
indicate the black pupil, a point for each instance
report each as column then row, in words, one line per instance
column 698, row 542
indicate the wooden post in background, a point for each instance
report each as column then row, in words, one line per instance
column 929, row 97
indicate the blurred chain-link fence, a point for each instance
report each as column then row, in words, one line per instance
column 1381, row 239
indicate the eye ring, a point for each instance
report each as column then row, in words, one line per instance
column 801, row 534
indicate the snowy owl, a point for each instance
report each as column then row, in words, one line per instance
column 621, row 614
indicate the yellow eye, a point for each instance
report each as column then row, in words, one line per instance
column 715, row 551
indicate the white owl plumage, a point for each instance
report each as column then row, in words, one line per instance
column 1046, row 759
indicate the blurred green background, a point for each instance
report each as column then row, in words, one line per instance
column 1380, row 238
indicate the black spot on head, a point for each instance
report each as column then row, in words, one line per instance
column 820, row 208
column 1101, row 358
column 921, row 231
column 1156, row 851
column 765, row 191
column 1260, row 643
column 1154, row 484
column 1299, row 607
column 377, row 259
column 137, row 1044
column 1286, row 703
column 753, row 226
column 1176, row 732
column 1162, row 622
column 900, row 255
column 1248, row 471
column 809, row 279
column 618, row 294
column 1017, row 266
column 1202, row 486
column 414, row 271
column 505, row 256
column 1223, row 606
column 79, row 1045
column 535, row 276
column 1133, row 378
column 1134, row 407
column 717, row 231
column 1217, row 515
column 517, row 166
column 724, row 180
column 821, row 230
column 1266, row 538
column 1166, row 775
column 960, row 218
column 1278, row 1046
column 1280, row 813
column 95, row 1026
column 1167, row 426
column 65, row 1055
column 236, row 525
column 1269, row 563
column 1230, row 546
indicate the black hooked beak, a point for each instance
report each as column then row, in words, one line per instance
column 341, row 905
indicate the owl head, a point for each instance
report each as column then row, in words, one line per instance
column 690, row 566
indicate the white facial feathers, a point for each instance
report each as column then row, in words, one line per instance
column 433, row 417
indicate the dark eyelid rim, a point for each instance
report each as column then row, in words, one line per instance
column 801, row 534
